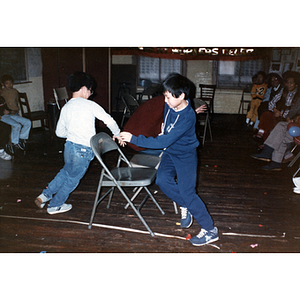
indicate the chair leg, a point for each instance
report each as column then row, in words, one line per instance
column 294, row 160
column 136, row 211
column 175, row 207
column 155, row 202
column 96, row 200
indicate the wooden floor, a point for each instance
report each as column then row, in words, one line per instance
column 255, row 211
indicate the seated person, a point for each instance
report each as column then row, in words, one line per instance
column 10, row 94
column 278, row 107
column 257, row 94
column 279, row 139
column 20, row 126
column 4, row 139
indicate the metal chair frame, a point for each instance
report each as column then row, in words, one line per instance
column 130, row 105
column 148, row 161
column 121, row 177
column 242, row 108
column 60, row 94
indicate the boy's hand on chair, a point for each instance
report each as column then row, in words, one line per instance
column 120, row 141
column 125, row 136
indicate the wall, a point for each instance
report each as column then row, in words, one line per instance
column 34, row 88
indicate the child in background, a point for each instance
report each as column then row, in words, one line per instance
column 20, row 126
column 77, row 124
column 257, row 94
column 10, row 94
column 177, row 172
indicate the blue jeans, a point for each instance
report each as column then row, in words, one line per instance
column 20, row 127
column 182, row 191
column 77, row 160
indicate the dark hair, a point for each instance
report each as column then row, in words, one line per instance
column 177, row 84
column 7, row 77
column 271, row 75
column 264, row 75
column 78, row 79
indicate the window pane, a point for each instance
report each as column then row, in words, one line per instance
column 233, row 74
column 169, row 66
column 149, row 68
column 156, row 69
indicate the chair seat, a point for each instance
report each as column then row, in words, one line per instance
column 131, row 176
column 145, row 161
column 36, row 115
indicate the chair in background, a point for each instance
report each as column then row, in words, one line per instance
column 121, row 177
column 39, row 115
column 130, row 105
column 60, row 95
column 207, row 94
column 244, row 103
column 203, row 119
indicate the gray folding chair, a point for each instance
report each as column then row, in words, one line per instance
column 130, row 106
column 60, row 94
column 148, row 161
column 121, row 177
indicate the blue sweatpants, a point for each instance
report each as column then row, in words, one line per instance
column 182, row 191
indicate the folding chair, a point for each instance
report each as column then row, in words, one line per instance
column 246, row 93
column 60, row 94
column 121, row 177
column 130, row 105
column 148, row 161
column 203, row 119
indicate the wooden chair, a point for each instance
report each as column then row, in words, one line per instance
column 60, row 95
column 39, row 115
column 207, row 94
column 203, row 119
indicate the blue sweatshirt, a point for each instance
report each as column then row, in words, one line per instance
column 179, row 132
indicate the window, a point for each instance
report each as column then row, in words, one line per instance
column 157, row 69
column 233, row 74
column 13, row 61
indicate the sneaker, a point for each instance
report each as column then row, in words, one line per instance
column 205, row 237
column 296, row 190
column 5, row 156
column 186, row 218
column 261, row 156
column 273, row 166
column 59, row 209
column 41, row 200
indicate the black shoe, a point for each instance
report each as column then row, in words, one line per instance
column 22, row 144
column 273, row 166
column 261, row 156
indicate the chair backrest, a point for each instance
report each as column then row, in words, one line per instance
column 130, row 101
column 60, row 94
column 207, row 91
column 24, row 105
column 102, row 143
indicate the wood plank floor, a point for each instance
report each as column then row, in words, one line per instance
column 255, row 211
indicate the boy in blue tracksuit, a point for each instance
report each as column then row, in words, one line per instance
column 177, row 172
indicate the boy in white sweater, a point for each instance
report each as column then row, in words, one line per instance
column 77, row 124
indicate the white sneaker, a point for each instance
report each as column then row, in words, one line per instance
column 296, row 190
column 41, row 200
column 59, row 209
column 5, row 156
